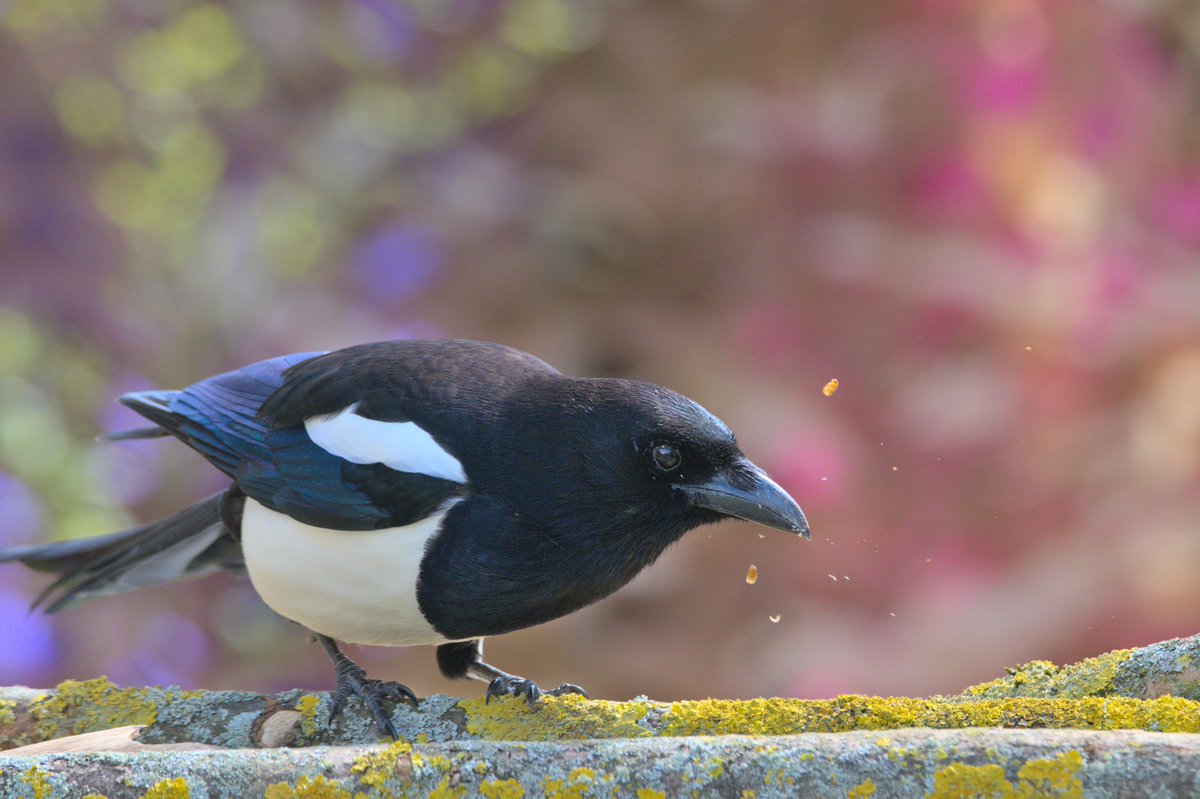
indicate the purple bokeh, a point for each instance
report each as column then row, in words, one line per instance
column 27, row 647
column 20, row 512
column 396, row 262
column 170, row 650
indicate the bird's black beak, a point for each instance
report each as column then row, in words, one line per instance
column 745, row 492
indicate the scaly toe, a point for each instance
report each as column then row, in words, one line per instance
column 568, row 688
column 353, row 681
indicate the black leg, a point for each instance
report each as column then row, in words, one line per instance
column 353, row 681
column 465, row 660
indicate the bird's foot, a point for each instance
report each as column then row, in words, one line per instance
column 508, row 685
column 353, row 681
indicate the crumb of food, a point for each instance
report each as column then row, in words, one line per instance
column 830, row 387
column 775, row 617
column 752, row 575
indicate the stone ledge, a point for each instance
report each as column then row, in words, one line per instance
column 1109, row 724
column 940, row 764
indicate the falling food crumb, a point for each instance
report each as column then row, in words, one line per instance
column 845, row 577
column 892, row 614
column 775, row 617
column 830, row 387
column 762, row 535
column 831, row 577
column 895, row 468
column 752, row 575
column 1029, row 349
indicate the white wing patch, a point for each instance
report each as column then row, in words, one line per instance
column 402, row 446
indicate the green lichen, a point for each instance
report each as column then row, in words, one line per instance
column 568, row 717
column 78, row 707
column 1053, row 778
column 169, row 789
column 503, row 789
column 1041, row 678
column 305, row 788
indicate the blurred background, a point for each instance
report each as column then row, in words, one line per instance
column 981, row 217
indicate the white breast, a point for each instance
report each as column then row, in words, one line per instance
column 358, row 586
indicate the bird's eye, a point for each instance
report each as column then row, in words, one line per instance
column 666, row 457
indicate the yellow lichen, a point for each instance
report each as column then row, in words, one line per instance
column 747, row 793
column 568, row 717
column 501, row 789
column 847, row 713
column 38, row 782
column 308, row 715
column 959, row 781
column 650, row 793
column 88, row 706
column 169, row 789
column 445, row 791
column 317, row 788
column 1053, row 778
column 7, row 716
column 1041, row 678
column 863, row 790
column 375, row 768
column 577, row 785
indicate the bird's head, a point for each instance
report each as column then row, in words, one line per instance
column 652, row 451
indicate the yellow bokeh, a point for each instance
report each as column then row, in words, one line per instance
column 90, row 108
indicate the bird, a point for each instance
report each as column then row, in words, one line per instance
column 423, row 492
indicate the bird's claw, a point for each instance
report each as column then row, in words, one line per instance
column 509, row 685
column 353, row 681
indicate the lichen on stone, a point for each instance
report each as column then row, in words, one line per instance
column 863, row 790
column 316, row 788
column 38, row 782
column 376, row 768
column 1041, row 678
column 7, row 716
column 567, row 717
column 577, row 785
column 78, row 707
column 501, row 789
column 307, row 705
column 1051, row 778
column 169, row 789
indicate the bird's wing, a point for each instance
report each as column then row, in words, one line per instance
column 339, row 471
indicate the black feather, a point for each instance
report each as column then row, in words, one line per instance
column 196, row 539
column 132, row 435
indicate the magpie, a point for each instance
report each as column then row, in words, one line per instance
column 424, row 492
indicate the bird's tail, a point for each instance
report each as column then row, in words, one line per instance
column 189, row 544
column 155, row 406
